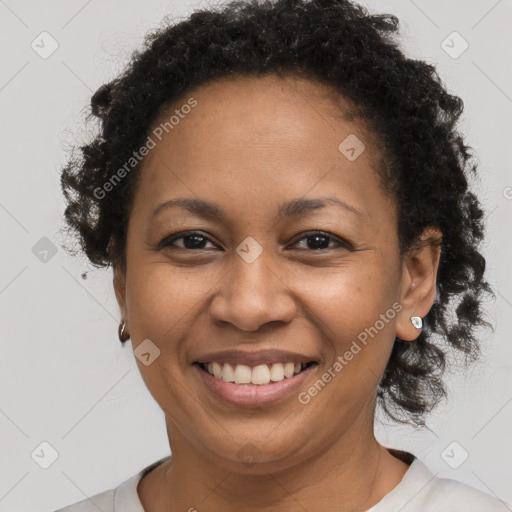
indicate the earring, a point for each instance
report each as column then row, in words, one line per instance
column 417, row 322
column 122, row 333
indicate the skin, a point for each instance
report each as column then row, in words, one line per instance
column 249, row 145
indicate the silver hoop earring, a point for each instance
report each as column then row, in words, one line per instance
column 417, row 322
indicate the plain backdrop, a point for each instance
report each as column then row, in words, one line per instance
column 67, row 382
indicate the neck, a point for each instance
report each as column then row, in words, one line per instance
column 352, row 474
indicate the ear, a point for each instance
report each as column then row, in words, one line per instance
column 119, row 282
column 419, row 276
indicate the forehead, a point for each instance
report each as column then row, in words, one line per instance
column 265, row 109
column 259, row 138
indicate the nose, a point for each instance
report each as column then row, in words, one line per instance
column 252, row 295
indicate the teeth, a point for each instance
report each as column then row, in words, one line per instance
column 227, row 373
column 217, row 370
column 243, row 374
column 276, row 372
column 259, row 375
column 289, row 370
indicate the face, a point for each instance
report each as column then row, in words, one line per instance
column 257, row 283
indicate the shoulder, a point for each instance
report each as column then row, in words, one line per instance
column 422, row 490
column 103, row 501
column 123, row 498
column 451, row 495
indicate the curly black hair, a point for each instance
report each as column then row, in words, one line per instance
column 426, row 165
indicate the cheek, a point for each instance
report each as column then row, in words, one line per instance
column 162, row 301
column 349, row 299
column 356, row 312
column 163, row 306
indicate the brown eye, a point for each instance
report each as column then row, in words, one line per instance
column 191, row 240
column 319, row 240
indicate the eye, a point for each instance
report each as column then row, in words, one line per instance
column 319, row 239
column 196, row 240
column 191, row 240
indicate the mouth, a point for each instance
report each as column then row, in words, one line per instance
column 253, row 380
column 254, row 375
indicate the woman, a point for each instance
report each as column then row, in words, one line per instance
column 283, row 198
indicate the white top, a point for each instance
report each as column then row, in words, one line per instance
column 418, row 491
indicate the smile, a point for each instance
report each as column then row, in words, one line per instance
column 247, row 386
column 259, row 375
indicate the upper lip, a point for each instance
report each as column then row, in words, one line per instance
column 254, row 358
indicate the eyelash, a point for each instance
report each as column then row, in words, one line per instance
column 168, row 241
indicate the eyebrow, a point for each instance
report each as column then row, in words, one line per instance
column 213, row 210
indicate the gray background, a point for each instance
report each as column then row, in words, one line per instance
column 66, row 380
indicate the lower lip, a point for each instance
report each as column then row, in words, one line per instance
column 253, row 395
